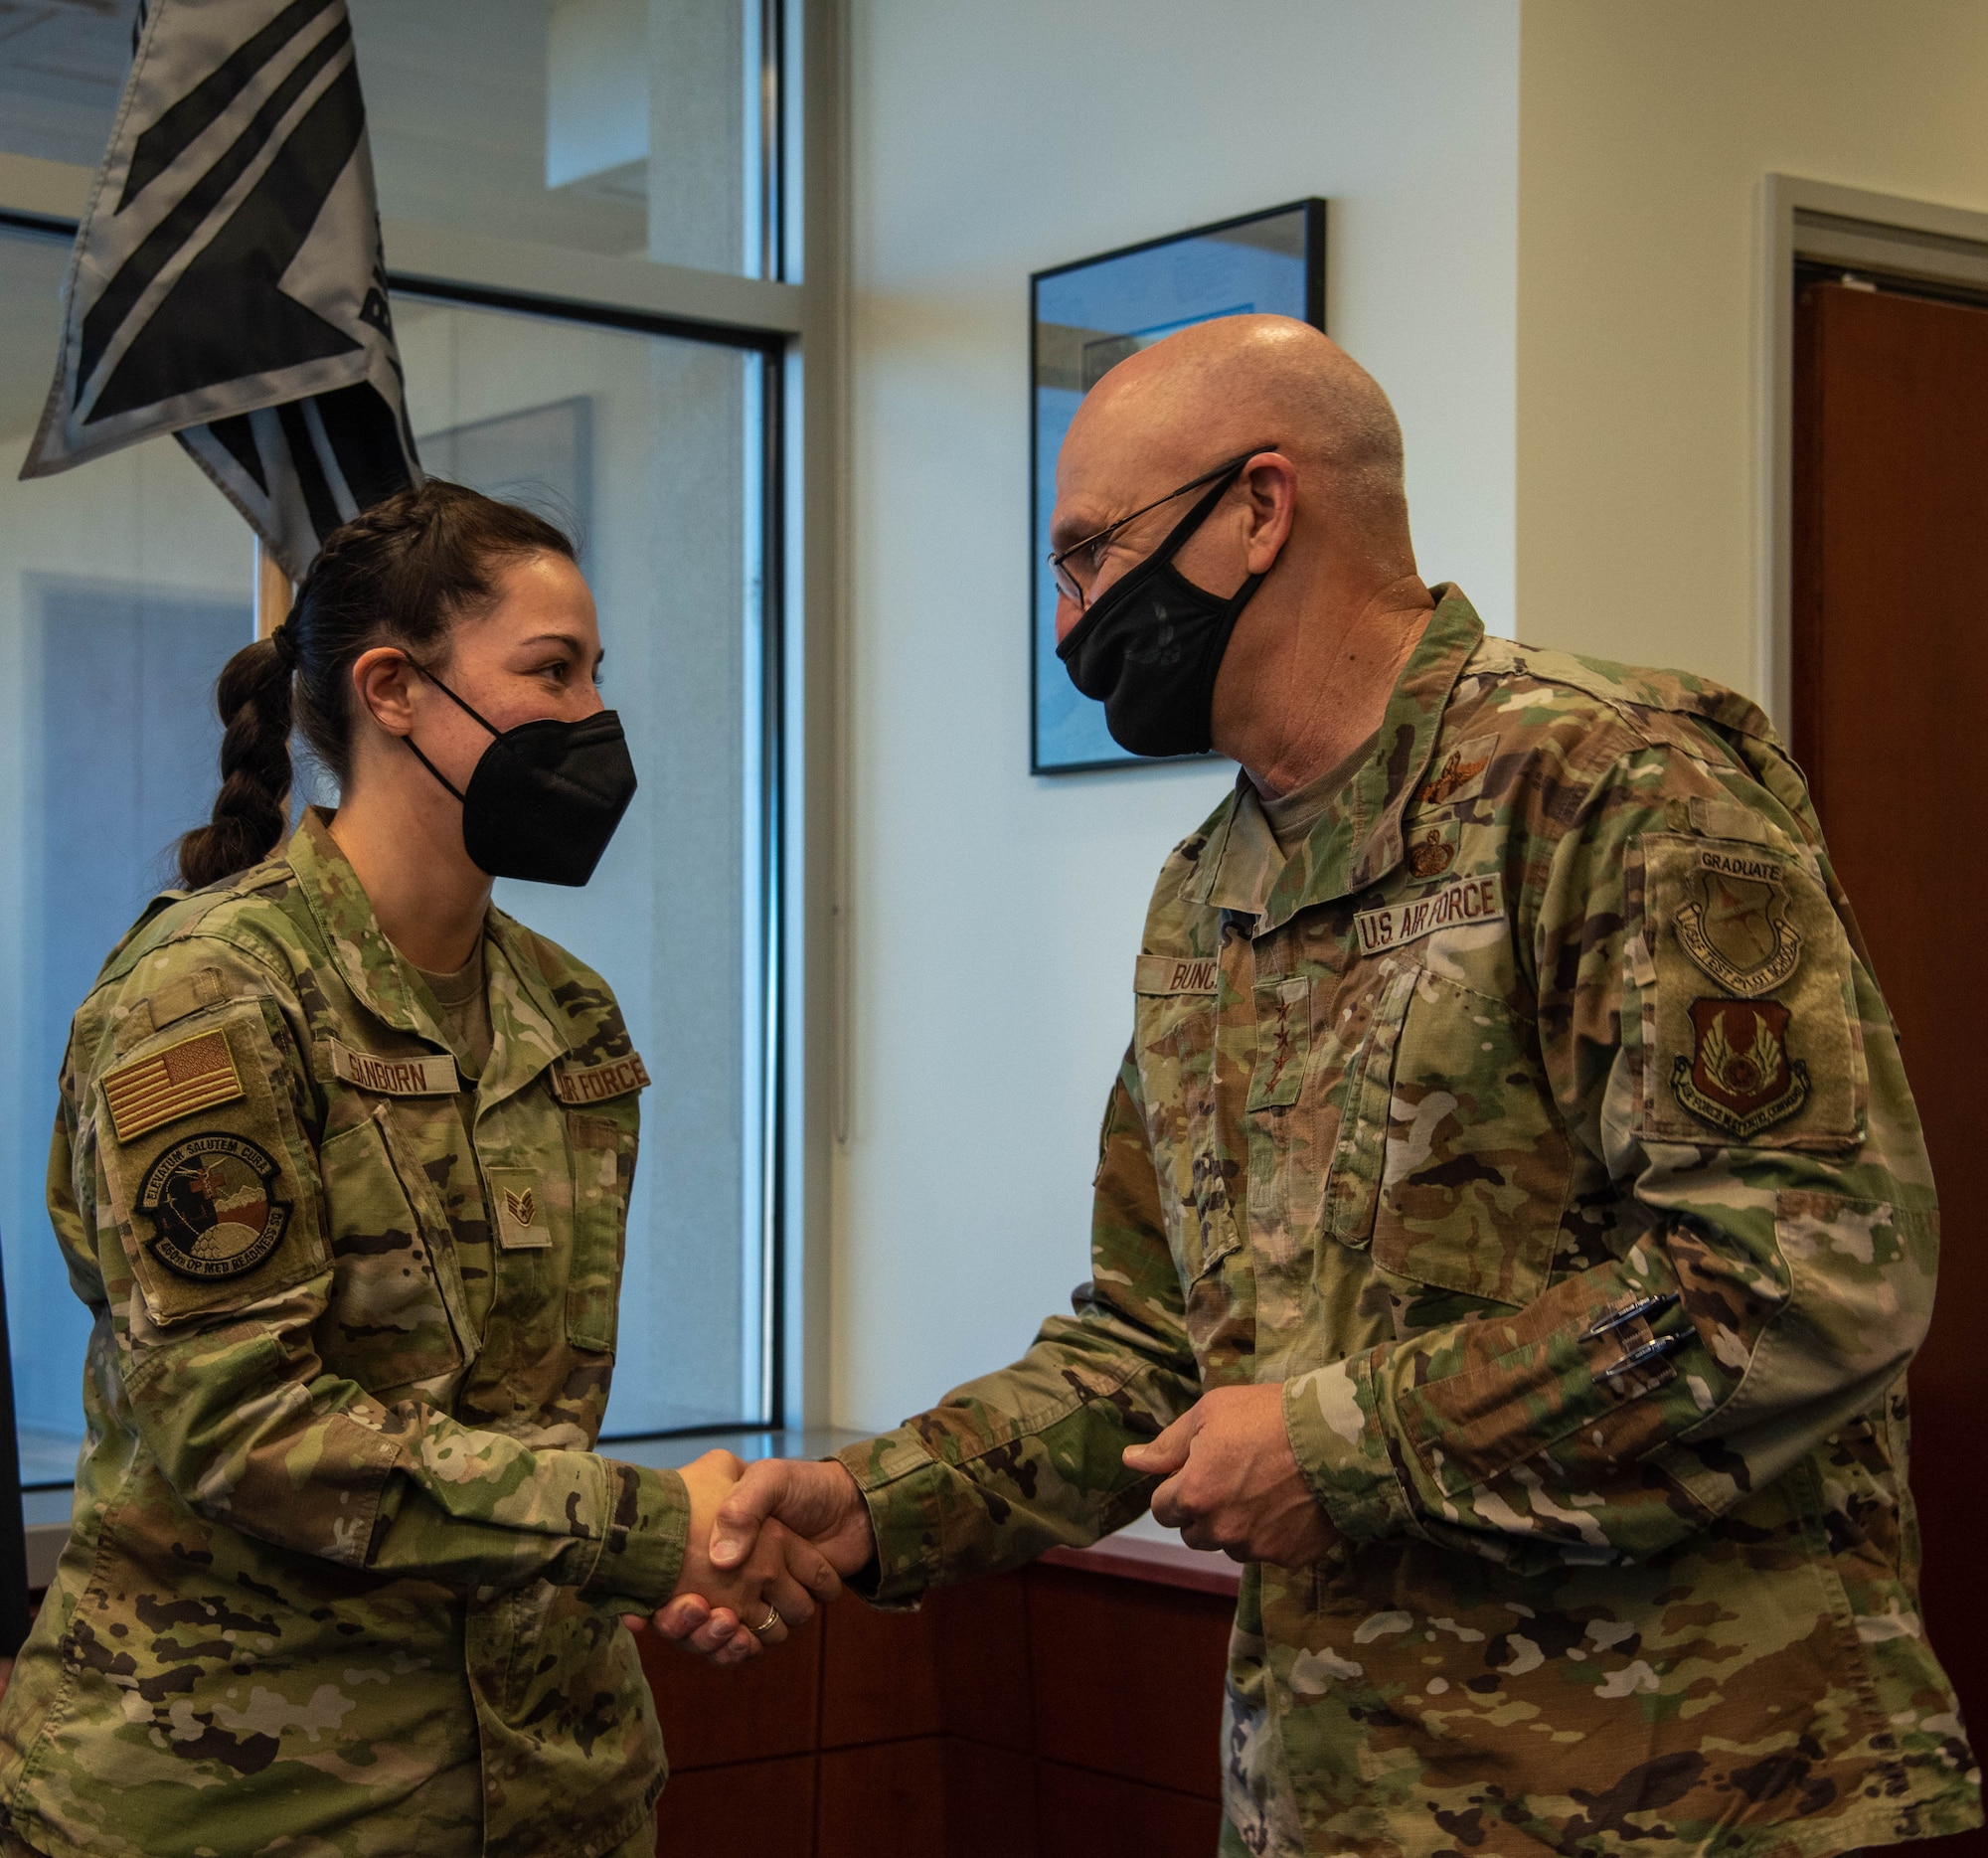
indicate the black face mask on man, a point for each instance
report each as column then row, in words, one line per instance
column 1149, row 646
column 545, row 797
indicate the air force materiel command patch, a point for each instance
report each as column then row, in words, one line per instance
column 211, row 1206
column 195, row 1074
column 1739, row 1078
column 1735, row 926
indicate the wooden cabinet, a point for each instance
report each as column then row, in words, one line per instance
column 1069, row 1709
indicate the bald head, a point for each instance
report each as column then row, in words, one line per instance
column 1241, row 384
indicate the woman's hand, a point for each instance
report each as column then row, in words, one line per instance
column 716, row 1610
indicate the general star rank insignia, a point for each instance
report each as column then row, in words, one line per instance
column 1736, row 926
column 211, row 1206
column 1739, row 1078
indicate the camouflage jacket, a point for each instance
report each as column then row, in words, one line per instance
column 343, row 1572
column 1538, row 1125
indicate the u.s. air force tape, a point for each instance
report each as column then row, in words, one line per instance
column 407, row 1074
column 594, row 1084
column 1462, row 905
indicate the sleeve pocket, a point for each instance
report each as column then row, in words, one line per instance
column 603, row 1166
column 215, row 1189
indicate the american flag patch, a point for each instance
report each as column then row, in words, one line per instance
column 186, row 1077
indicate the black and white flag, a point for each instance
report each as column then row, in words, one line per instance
column 228, row 284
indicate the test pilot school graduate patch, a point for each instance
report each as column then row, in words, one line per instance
column 1739, row 1077
column 1735, row 926
column 212, row 1212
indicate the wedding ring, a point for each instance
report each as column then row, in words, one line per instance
column 766, row 1624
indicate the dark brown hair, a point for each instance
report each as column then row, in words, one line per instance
column 402, row 572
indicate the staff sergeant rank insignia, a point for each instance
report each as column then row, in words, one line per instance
column 208, row 1199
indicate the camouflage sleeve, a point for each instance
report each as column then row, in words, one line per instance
column 189, row 1169
column 1766, row 1214
column 1028, row 1458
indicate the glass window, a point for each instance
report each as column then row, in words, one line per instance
column 653, row 450
column 537, row 120
column 544, row 120
column 125, row 584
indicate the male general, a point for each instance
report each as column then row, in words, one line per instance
column 1512, row 1225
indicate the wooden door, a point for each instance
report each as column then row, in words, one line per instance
column 1891, row 724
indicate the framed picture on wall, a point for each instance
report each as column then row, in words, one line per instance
column 1084, row 318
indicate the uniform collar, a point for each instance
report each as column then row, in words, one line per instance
column 528, row 1026
column 1358, row 839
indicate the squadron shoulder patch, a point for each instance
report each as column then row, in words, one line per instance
column 1739, row 1078
column 212, row 1206
column 1736, row 925
column 195, row 1074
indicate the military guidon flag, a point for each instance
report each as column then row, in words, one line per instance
column 228, row 284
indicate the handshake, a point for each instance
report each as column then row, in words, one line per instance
column 769, row 1542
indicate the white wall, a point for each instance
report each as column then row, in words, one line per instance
column 995, row 914
column 1646, row 126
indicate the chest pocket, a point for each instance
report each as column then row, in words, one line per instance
column 603, row 1172
column 1176, row 1052
column 1475, row 1166
column 388, row 1323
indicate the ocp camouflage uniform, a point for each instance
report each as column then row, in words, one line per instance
column 344, row 1573
column 1539, row 1126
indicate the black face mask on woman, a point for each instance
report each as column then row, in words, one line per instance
column 546, row 796
column 1149, row 646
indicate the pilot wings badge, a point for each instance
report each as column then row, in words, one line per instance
column 1735, row 926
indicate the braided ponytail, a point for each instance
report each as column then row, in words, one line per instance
column 401, row 573
column 254, row 698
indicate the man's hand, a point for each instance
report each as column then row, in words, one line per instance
column 816, row 1501
column 778, row 1569
column 1232, row 1483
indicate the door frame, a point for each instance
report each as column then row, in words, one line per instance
column 1820, row 221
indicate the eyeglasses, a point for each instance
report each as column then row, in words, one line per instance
column 1077, row 592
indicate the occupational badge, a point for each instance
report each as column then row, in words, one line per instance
column 211, row 1208
column 1431, row 852
column 1460, row 773
column 1736, row 925
column 1739, row 1078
